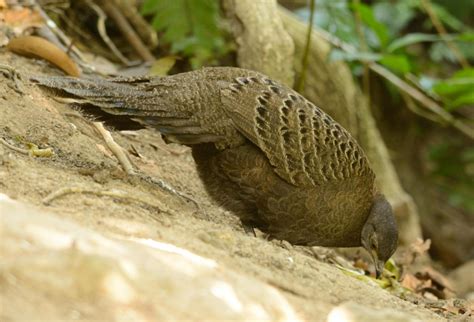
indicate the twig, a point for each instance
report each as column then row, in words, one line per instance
column 115, row 148
column 166, row 187
column 32, row 151
column 103, row 33
column 127, row 30
column 405, row 87
column 418, row 110
column 126, row 164
column 106, row 193
column 365, row 48
column 444, row 34
column 304, row 64
column 14, row 148
column 142, row 27
column 423, row 99
column 61, row 35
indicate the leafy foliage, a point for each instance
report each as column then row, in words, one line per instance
column 453, row 167
column 457, row 90
column 385, row 25
column 190, row 27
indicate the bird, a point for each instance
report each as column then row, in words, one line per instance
column 263, row 151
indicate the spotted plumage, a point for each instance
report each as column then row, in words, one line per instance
column 263, row 150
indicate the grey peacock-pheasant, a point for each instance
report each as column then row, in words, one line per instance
column 264, row 151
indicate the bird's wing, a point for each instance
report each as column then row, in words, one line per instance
column 305, row 145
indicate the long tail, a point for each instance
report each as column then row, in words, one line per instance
column 186, row 107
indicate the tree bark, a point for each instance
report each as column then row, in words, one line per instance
column 263, row 43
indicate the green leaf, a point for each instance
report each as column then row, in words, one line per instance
column 466, row 36
column 368, row 18
column 462, row 100
column 149, row 6
column 191, row 27
column 447, row 18
column 463, row 73
column 397, row 63
column 458, row 90
column 454, row 86
column 395, row 15
column 411, row 39
column 162, row 66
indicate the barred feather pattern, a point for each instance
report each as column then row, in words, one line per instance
column 278, row 160
column 304, row 144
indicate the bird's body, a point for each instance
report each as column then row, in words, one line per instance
column 263, row 150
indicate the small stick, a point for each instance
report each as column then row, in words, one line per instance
column 124, row 195
column 116, row 149
column 127, row 30
column 58, row 32
column 14, row 148
column 32, row 151
column 365, row 48
column 167, row 187
column 403, row 86
column 444, row 34
column 103, row 33
column 302, row 79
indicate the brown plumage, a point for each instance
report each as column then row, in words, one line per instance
column 263, row 150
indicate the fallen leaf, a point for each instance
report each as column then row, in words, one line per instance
column 32, row 46
column 420, row 246
column 440, row 284
column 162, row 66
column 20, row 18
column 410, row 282
column 416, row 249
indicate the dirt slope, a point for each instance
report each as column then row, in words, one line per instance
column 297, row 282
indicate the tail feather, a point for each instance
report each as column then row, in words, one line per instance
column 184, row 108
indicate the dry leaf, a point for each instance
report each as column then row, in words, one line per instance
column 410, row 282
column 20, row 19
column 32, row 46
column 420, row 247
column 440, row 284
column 416, row 249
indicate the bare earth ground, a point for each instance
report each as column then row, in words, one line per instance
column 35, row 284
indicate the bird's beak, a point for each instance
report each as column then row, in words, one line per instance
column 379, row 265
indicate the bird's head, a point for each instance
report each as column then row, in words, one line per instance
column 380, row 234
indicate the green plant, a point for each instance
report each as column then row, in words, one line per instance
column 191, row 28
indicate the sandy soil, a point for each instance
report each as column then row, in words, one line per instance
column 81, row 159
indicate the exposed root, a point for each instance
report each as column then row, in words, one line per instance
column 118, row 194
column 116, row 149
column 14, row 148
column 32, row 151
column 124, row 160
